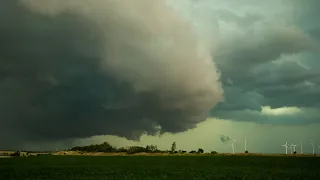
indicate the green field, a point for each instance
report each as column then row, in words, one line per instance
column 159, row 167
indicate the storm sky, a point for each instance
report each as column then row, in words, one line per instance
column 196, row 72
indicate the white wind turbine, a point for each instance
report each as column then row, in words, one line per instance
column 301, row 147
column 286, row 146
column 233, row 145
column 294, row 147
column 312, row 144
column 290, row 146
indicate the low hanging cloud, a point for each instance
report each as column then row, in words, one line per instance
column 75, row 69
column 224, row 138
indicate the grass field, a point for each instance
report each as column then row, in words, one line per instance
column 49, row 167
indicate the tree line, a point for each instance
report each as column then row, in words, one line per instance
column 106, row 147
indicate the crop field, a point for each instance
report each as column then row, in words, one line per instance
column 50, row 167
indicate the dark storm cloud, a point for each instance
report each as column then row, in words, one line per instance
column 267, row 44
column 235, row 101
column 74, row 69
column 273, row 61
column 306, row 16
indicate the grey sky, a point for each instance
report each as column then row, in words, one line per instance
column 267, row 53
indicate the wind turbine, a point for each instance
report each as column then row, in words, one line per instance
column 286, row 146
column 233, row 145
column 294, row 148
column 290, row 146
column 301, row 147
column 312, row 144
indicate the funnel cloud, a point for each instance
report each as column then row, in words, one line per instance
column 74, row 69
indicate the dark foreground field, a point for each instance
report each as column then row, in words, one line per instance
column 159, row 167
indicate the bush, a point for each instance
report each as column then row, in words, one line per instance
column 214, row 152
column 246, row 152
column 200, row 151
column 136, row 149
column 192, row 152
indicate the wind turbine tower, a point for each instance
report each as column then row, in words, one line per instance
column 294, row 148
column 312, row 144
column 286, row 146
column 290, row 146
column 233, row 145
column 301, row 147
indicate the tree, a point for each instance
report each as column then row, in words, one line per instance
column 122, row 150
column 104, row 147
column 151, row 149
column 173, row 147
column 136, row 149
column 200, row 151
